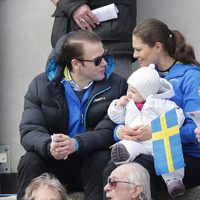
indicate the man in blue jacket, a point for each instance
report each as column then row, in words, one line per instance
column 64, row 127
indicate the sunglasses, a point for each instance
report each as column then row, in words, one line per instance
column 97, row 60
column 113, row 183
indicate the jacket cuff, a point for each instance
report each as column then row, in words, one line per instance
column 76, row 144
column 48, row 150
column 115, row 134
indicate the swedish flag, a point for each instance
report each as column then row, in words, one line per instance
column 167, row 149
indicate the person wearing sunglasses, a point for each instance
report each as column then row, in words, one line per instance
column 128, row 182
column 96, row 60
column 64, row 128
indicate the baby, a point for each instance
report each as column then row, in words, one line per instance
column 147, row 98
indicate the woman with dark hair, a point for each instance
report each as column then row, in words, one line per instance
column 153, row 42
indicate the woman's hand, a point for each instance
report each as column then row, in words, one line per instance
column 137, row 133
column 143, row 132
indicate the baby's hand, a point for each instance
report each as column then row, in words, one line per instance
column 122, row 101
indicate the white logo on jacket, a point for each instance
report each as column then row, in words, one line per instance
column 99, row 99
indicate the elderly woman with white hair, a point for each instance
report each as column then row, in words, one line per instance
column 45, row 187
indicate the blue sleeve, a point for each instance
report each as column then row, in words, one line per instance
column 76, row 144
column 190, row 102
column 115, row 136
column 187, row 131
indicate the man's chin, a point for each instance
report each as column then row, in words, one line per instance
column 108, row 198
column 100, row 78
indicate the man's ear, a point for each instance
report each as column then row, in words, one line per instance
column 75, row 64
column 136, row 191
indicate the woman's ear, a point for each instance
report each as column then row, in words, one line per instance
column 158, row 47
column 136, row 191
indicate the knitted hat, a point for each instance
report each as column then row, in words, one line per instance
column 146, row 80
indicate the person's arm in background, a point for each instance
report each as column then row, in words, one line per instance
column 80, row 12
column 55, row 2
column 84, row 18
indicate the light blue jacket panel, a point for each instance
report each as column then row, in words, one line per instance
column 185, row 79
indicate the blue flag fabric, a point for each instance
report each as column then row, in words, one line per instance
column 167, row 149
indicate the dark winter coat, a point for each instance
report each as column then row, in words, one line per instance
column 46, row 112
column 115, row 34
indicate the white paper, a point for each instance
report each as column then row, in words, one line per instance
column 105, row 13
column 195, row 115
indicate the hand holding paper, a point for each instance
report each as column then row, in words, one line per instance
column 105, row 13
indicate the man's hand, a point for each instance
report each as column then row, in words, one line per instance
column 84, row 18
column 62, row 146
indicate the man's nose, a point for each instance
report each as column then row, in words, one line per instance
column 106, row 188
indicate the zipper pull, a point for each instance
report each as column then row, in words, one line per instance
column 82, row 118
